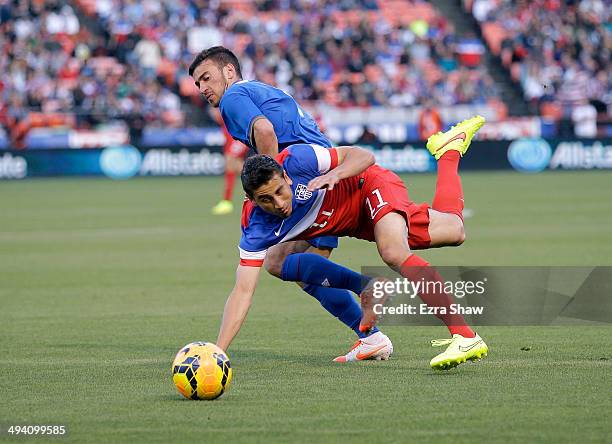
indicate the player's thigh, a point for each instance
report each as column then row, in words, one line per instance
column 445, row 229
column 275, row 256
column 383, row 192
column 391, row 236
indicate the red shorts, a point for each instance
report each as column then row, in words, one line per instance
column 383, row 192
column 235, row 149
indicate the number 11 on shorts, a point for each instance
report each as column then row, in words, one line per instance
column 381, row 203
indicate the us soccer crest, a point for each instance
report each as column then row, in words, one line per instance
column 302, row 193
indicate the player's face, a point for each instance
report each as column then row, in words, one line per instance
column 212, row 81
column 275, row 196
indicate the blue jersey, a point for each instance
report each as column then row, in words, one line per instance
column 247, row 100
column 261, row 230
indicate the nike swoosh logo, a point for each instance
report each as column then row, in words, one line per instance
column 277, row 233
column 362, row 356
column 465, row 349
column 459, row 136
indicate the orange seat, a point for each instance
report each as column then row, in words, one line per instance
column 356, row 78
column 500, row 108
column 187, row 88
column 373, row 73
column 167, row 69
column 493, row 34
column 515, row 71
column 89, row 6
column 551, row 110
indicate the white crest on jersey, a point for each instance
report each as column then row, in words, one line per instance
column 302, row 193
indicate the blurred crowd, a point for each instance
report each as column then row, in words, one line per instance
column 100, row 60
column 559, row 51
column 347, row 53
column 93, row 61
column 56, row 71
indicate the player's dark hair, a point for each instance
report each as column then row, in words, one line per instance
column 220, row 55
column 258, row 170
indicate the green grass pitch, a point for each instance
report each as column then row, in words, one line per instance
column 101, row 282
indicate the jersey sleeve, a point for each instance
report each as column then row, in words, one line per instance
column 254, row 243
column 310, row 160
column 327, row 158
column 252, row 247
column 252, row 258
column 239, row 113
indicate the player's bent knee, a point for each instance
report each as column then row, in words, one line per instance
column 273, row 263
column 453, row 233
column 393, row 256
column 459, row 237
column 276, row 255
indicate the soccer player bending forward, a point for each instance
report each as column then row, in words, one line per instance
column 311, row 191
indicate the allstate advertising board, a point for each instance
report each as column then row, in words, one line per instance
column 529, row 155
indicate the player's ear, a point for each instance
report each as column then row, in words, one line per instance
column 229, row 71
column 287, row 178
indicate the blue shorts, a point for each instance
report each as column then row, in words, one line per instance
column 324, row 242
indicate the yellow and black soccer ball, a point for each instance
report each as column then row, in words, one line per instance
column 201, row 370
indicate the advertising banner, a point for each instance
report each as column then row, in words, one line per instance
column 116, row 162
column 529, row 155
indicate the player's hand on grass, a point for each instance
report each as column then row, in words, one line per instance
column 328, row 181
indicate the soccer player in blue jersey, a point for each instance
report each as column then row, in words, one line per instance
column 268, row 120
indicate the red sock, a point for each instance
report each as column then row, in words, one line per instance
column 230, row 179
column 449, row 194
column 416, row 269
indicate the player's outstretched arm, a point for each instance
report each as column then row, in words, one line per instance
column 264, row 137
column 237, row 305
column 352, row 160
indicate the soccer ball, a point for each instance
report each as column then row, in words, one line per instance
column 201, row 370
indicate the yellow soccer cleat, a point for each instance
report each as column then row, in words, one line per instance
column 459, row 350
column 457, row 138
column 223, row 207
